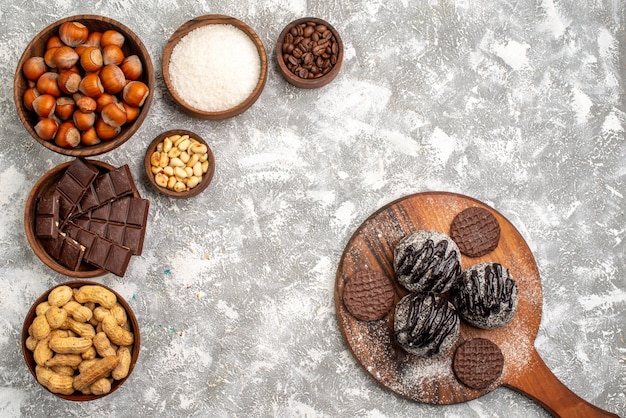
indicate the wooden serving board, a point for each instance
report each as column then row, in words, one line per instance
column 432, row 380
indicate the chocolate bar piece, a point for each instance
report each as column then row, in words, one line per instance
column 107, row 187
column 47, row 217
column 122, row 221
column 73, row 186
column 101, row 252
column 67, row 251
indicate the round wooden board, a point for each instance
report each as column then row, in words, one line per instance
column 432, row 380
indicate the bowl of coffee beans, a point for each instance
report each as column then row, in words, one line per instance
column 309, row 53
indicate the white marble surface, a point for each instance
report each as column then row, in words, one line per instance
column 519, row 104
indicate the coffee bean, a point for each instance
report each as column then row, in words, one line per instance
column 310, row 50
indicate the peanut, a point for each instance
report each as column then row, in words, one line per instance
column 42, row 352
column 97, row 294
column 80, row 328
column 70, row 345
column 119, row 313
column 71, row 360
column 90, row 353
column 101, row 368
column 64, row 370
column 116, row 333
column 31, row 342
column 77, row 311
column 184, row 164
column 40, row 327
column 121, row 371
column 55, row 317
column 60, row 295
column 103, row 345
column 54, row 382
column 100, row 387
column 42, row 308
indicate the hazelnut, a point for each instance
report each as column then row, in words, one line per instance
column 112, row 54
column 46, row 128
column 112, row 37
column 91, row 85
column 84, row 120
column 132, row 67
column 67, row 135
column 29, row 95
column 106, row 132
column 68, row 81
column 64, row 57
column 47, row 84
column 34, row 67
column 112, row 78
column 135, row 93
column 89, row 137
column 73, row 33
column 91, row 59
column 114, row 114
column 44, row 105
column 65, row 107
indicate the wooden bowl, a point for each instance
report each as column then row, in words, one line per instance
column 196, row 23
column 291, row 77
column 206, row 178
column 132, row 46
column 45, row 186
column 134, row 328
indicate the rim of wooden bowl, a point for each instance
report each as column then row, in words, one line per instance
column 206, row 178
column 196, row 23
column 44, row 187
column 36, row 47
column 312, row 83
column 28, row 355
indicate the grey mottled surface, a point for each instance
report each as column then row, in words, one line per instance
column 519, row 104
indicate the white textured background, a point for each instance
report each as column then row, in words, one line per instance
column 516, row 103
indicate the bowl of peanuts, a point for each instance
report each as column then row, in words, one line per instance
column 309, row 53
column 83, row 85
column 80, row 340
column 179, row 163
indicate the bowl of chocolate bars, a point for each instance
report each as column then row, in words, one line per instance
column 85, row 218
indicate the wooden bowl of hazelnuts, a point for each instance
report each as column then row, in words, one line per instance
column 83, row 85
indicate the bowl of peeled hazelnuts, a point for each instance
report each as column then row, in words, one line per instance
column 83, row 85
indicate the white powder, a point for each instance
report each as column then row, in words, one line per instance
column 215, row 67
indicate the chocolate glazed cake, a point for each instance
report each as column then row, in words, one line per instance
column 426, row 324
column 427, row 261
column 486, row 296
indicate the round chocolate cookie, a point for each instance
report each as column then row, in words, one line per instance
column 486, row 296
column 368, row 295
column 476, row 231
column 478, row 362
column 427, row 261
column 425, row 324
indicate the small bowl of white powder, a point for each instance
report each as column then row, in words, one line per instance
column 215, row 67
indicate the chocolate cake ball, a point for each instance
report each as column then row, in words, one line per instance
column 427, row 261
column 426, row 324
column 486, row 296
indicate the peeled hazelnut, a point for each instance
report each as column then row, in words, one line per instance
column 65, row 57
column 106, row 132
column 135, row 93
column 34, row 67
column 91, row 59
column 47, row 84
column 46, row 128
column 114, row 114
column 83, row 120
column 112, row 78
column 132, row 67
column 73, row 33
column 112, row 37
column 112, row 54
column 29, row 95
column 68, row 81
column 65, row 107
column 89, row 137
column 44, row 105
column 67, row 135
column 86, row 104
column 91, row 85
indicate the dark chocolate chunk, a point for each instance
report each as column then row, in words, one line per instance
column 427, row 261
column 478, row 363
column 476, row 231
column 107, row 187
column 368, row 295
column 67, row 251
column 101, row 252
column 47, row 217
column 122, row 221
column 73, row 185
column 426, row 324
column 486, row 296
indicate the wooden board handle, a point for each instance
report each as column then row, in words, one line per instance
column 541, row 385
